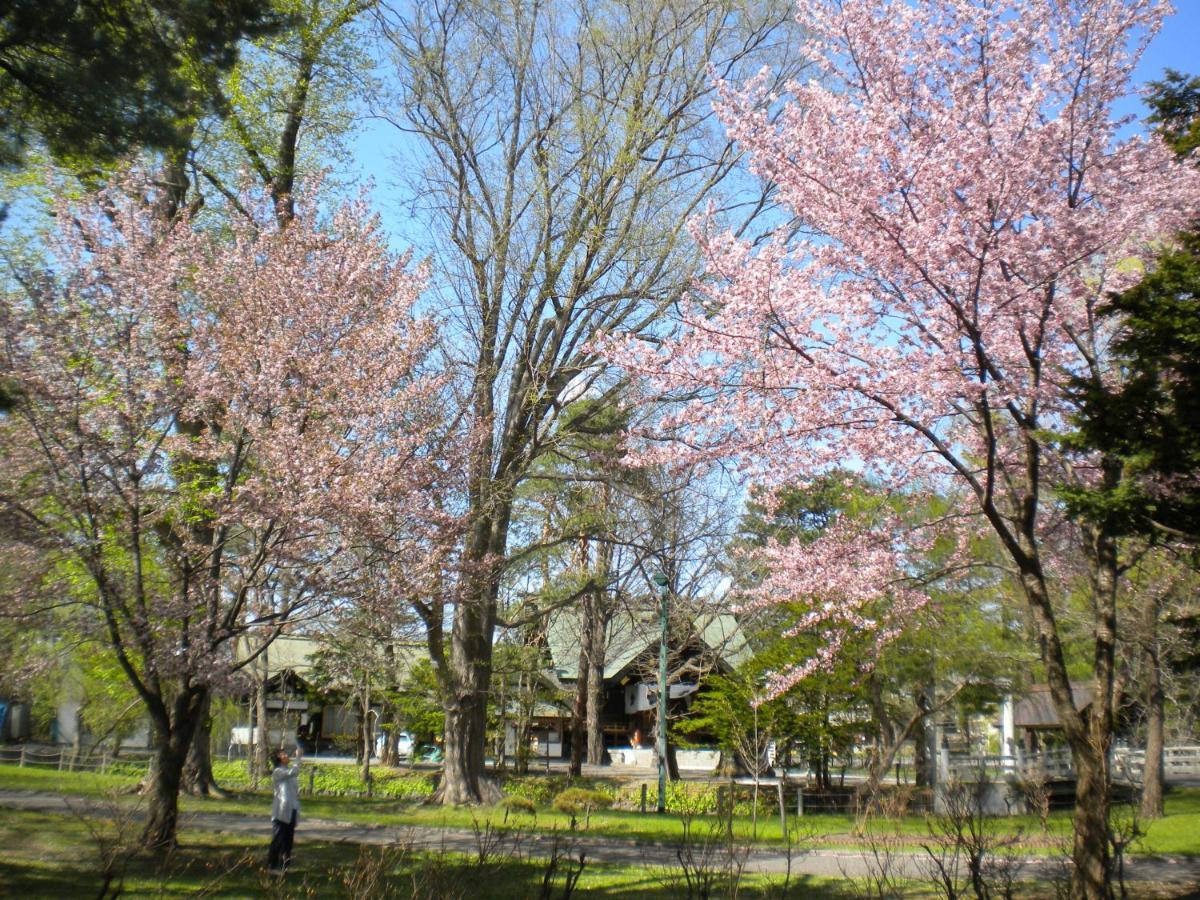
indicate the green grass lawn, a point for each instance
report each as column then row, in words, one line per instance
column 1177, row 833
column 57, row 855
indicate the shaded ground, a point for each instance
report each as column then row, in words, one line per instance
column 1172, row 876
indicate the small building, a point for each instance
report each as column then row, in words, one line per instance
column 1035, row 720
column 711, row 642
column 319, row 717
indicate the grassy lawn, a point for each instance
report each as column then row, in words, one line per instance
column 57, row 856
column 1177, row 833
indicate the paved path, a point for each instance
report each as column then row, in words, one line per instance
column 1178, row 872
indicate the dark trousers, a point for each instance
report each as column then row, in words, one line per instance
column 282, row 834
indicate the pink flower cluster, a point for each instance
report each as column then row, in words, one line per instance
column 965, row 202
column 216, row 425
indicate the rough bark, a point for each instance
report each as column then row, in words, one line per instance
column 197, row 778
column 261, row 735
column 1151, row 806
column 579, row 709
column 595, row 696
column 599, row 615
column 365, row 729
column 462, row 779
column 174, row 730
column 465, row 679
column 922, row 759
column 1090, row 851
column 1088, row 736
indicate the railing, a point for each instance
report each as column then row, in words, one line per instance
column 1127, row 765
column 1178, row 762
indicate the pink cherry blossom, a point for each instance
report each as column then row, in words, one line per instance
column 964, row 201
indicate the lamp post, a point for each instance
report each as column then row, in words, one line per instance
column 663, row 582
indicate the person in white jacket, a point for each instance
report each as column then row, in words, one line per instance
column 285, row 810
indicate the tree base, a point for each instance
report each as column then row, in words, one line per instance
column 489, row 794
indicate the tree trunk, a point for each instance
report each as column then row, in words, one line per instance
column 1152, row 772
column 261, row 735
column 579, row 709
column 595, row 686
column 198, row 779
column 521, row 728
column 364, row 729
column 175, row 732
column 583, row 675
column 1088, row 735
column 595, row 703
column 888, row 743
column 462, row 775
column 923, row 761
column 464, row 673
column 1090, row 853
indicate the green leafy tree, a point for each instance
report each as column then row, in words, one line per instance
column 1175, row 101
column 417, row 704
column 93, row 79
column 957, row 654
column 1145, row 425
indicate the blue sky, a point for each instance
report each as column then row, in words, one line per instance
column 1175, row 46
column 376, row 147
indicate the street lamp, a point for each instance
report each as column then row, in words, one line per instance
column 663, row 582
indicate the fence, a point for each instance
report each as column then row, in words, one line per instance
column 67, row 759
column 1178, row 763
column 1126, row 764
column 331, row 779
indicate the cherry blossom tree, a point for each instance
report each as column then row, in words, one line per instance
column 198, row 420
column 963, row 199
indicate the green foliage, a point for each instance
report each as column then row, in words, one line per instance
column 691, row 796
column 1148, row 425
column 1175, row 102
column 542, row 789
column 418, row 708
column 95, row 78
column 340, row 780
column 1151, row 423
column 308, row 59
column 519, row 805
column 579, row 798
column 966, row 635
column 577, row 801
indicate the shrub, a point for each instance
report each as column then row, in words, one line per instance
column 536, row 789
column 682, row 796
column 339, row 780
column 518, row 805
column 576, row 801
column 542, row 789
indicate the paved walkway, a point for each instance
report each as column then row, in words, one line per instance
column 1178, row 872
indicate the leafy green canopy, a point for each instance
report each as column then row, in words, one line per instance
column 1150, row 424
column 94, row 78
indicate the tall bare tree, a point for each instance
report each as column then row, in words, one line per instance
column 561, row 147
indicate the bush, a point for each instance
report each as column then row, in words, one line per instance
column 682, row 796
column 518, row 805
column 536, row 789
column 578, row 801
column 579, row 798
column 339, row 780
column 542, row 789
